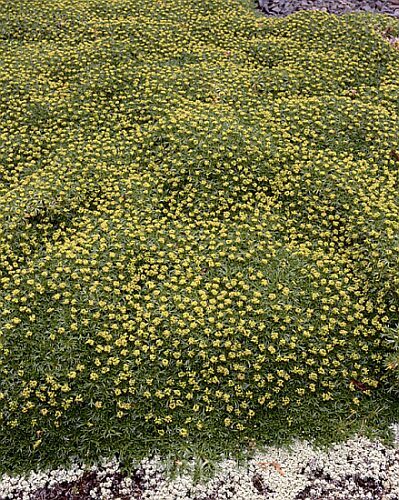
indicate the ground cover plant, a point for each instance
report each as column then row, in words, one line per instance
column 199, row 227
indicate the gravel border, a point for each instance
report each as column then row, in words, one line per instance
column 358, row 469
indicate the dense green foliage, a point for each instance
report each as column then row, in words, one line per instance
column 199, row 226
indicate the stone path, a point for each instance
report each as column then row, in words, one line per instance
column 284, row 7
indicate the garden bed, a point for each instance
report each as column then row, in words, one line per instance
column 199, row 228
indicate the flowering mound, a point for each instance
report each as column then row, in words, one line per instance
column 199, row 225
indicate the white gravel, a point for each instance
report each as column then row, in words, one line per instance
column 358, row 469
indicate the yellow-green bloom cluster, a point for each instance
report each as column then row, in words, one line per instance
column 199, row 221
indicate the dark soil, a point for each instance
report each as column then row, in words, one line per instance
column 81, row 488
column 339, row 489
